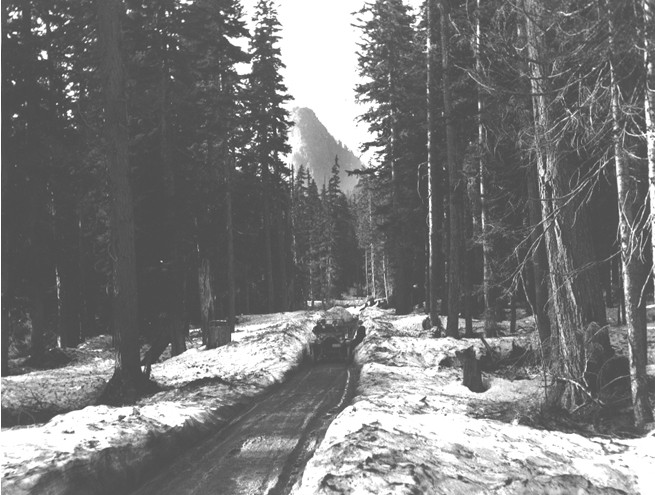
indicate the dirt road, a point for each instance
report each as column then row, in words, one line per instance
column 265, row 449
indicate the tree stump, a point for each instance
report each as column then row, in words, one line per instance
column 219, row 334
column 471, row 370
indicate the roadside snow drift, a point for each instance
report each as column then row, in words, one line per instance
column 413, row 429
column 102, row 449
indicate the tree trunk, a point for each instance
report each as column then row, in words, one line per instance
column 229, row 240
column 539, row 258
column 370, row 223
column 573, row 294
column 384, row 277
column 455, row 185
column 206, row 297
column 268, row 243
column 366, row 286
column 5, row 333
column 173, row 301
column 36, row 195
column 435, row 180
column 634, row 268
column 649, row 109
column 68, row 268
column 281, row 258
column 127, row 372
column 471, row 371
column 489, row 289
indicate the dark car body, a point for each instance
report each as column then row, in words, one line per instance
column 333, row 340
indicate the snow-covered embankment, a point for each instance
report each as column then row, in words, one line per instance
column 413, row 428
column 102, row 449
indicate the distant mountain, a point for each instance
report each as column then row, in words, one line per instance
column 314, row 147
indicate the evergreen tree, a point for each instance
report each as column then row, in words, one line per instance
column 390, row 61
column 270, row 124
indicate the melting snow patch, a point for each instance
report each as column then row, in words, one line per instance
column 102, row 449
column 414, row 428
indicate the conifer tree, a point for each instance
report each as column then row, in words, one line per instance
column 390, row 60
column 270, row 123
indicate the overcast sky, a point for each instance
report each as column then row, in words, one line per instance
column 319, row 49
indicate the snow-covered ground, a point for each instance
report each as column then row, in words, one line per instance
column 103, row 449
column 413, row 428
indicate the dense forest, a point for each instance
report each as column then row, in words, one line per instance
column 145, row 184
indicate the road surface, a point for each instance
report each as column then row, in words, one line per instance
column 265, row 449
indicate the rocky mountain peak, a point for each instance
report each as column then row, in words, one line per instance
column 313, row 146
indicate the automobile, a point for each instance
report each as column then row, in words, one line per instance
column 334, row 340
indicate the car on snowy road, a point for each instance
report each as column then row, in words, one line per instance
column 335, row 340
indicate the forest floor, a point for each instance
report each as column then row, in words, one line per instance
column 412, row 426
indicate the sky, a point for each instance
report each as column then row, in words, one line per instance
column 319, row 46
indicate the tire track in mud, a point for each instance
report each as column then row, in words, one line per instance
column 265, row 449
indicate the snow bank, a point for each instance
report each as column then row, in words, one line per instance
column 413, row 428
column 102, row 449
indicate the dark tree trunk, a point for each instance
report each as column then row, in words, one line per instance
column 127, row 377
column 173, row 300
column 489, row 288
column 206, row 297
column 512, row 313
column 268, row 242
column 282, row 264
column 5, row 333
column 467, row 275
column 68, row 268
column 38, row 223
column 229, row 249
column 471, row 371
column 456, row 187
column 435, row 183
column 89, row 287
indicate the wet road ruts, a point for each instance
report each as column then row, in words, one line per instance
column 264, row 450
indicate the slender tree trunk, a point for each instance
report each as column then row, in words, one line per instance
column 648, row 7
column 68, row 268
column 268, row 243
column 282, row 264
column 206, row 298
column 455, row 185
column 229, row 240
column 89, row 285
column 366, row 286
column 634, row 268
column 5, row 332
column 384, row 277
column 489, row 288
column 127, row 371
column 174, row 307
column 435, row 180
column 370, row 222
column 37, row 198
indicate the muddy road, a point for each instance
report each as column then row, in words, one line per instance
column 265, row 449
